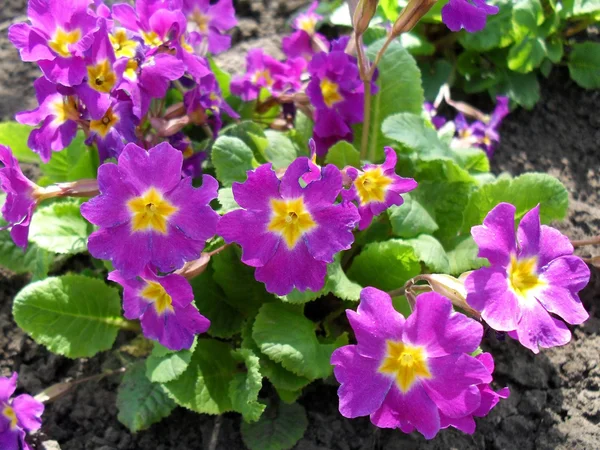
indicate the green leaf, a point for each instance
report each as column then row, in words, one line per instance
column 302, row 132
column 429, row 250
column 280, row 150
column 343, row 154
column 527, row 54
column 417, row 45
column 411, row 218
column 283, row 334
column 400, row 90
column 584, row 64
column 204, row 386
column 385, row 265
column 435, row 75
column 72, row 315
column 232, row 159
column 237, row 281
column 225, row 198
column 60, row 228
column 525, row 192
column 15, row 136
column 339, row 284
column 223, row 78
column 497, row 32
column 140, row 402
column 75, row 162
column 244, row 388
column 251, row 133
column 462, row 255
column 279, row 428
column 166, row 365
column 523, row 88
column 578, row 8
column 225, row 320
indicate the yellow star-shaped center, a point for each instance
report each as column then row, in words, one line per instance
column 150, row 211
column 406, row 363
column 290, row 219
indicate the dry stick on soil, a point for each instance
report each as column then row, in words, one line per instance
column 214, row 437
column 590, row 241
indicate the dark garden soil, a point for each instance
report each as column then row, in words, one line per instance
column 555, row 396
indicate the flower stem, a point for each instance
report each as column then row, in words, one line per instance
column 592, row 241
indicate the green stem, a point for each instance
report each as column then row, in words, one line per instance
column 364, row 145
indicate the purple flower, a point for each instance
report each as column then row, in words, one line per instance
column 437, row 121
column 468, row 14
column 533, row 277
column 164, row 306
column 377, row 187
column 483, row 134
column 409, row 373
column 192, row 162
column 264, row 71
column 21, row 198
column 489, row 399
column 57, row 37
column 289, row 232
column 305, row 39
column 18, row 416
column 114, row 129
column 58, row 115
column 147, row 214
column 210, row 22
column 336, row 92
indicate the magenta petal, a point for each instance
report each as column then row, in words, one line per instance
column 465, row 424
column 435, row 326
column 28, row 411
column 290, row 183
column 324, row 191
column 553, row 244
column 181, row 327
column 292, row 268
column 133, row 305
column 537, row 327
column 496, row 237
column 8, row 387
column 528, row 234
column 374, row 322
column 334, row 231
column 452, row 384
column 257, row 191
column 362, row 389
column 411, row 408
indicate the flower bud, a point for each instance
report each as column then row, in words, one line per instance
column 410, row 15
column 364, row 12
column 451, row 288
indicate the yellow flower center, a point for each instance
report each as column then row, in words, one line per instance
column 330, row 91
column 157, row 295
column 150, row 211
column 152, row 39
column 264, row 75
column 307, row 23
column 65, row 109
column 10, row 414
column 62, row 39
column 523, row 277
column 131, row 70
column 405, row 363
column 201, row 20
column 184, row 44
column 101, row 77
column 372, row 186
column 104, row 125
column 290, row 219
column 123, row 46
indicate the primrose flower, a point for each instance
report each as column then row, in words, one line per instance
column 377, row 187
column 165, row 307
column 192, row 161
column 533, row 277
column 336, row 92
column 18, row 415
column 114, row 129
column 410, row 373
column 148, row 214
column 58, row 36
column 289, row 232
column 264, row 71
column 58, row 115
column 468, row 14
column 21, row 197
column 304, row 40
column 436, row 120
column 210, row 22
column 483, row 134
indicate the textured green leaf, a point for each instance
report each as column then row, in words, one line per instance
column 497, row 32
column 523, row 88
column 166, row 365
column 244, row 388
column 385, row 265
column 140, row 402
column 283, row 334
column 75, row 162
column 279, row 428
column 339, row 284
column 204, row 386
column 72, row 315
column 411, row 218
column 462, row 255
column 251, row 133
column 226, row 200
column 584, row 64
column 527, row 54
column 232, row 158
column 280, row 149
column 15, row 136
column 525, row 192
column 343, row 154
column 400, row 90
column 429, row 250
column 435, row 74
column 302, row 133
column 60, row 228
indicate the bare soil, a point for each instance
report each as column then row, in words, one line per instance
column 555, row 396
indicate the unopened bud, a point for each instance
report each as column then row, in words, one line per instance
column 451, row 288
column 410, row 15
column 364, row 12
